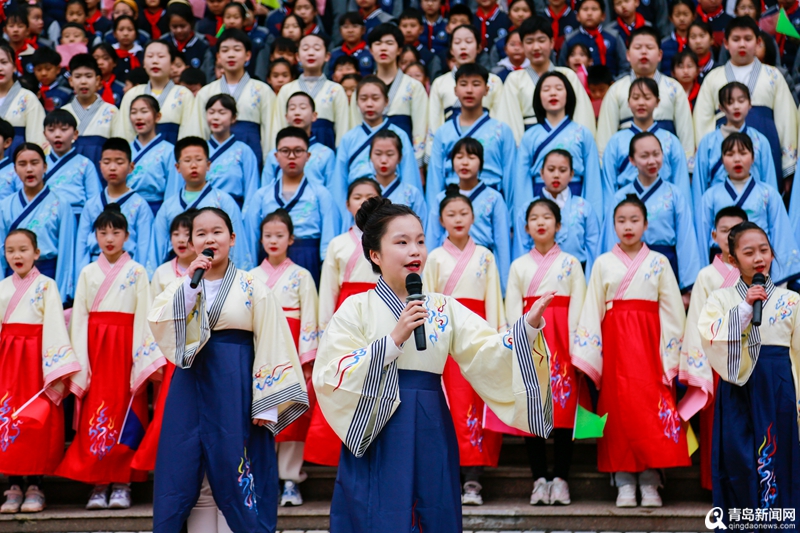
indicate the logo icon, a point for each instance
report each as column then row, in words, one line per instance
column 717, row 515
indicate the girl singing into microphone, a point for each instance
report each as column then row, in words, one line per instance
column 383, row 397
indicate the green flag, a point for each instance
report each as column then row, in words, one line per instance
column 270, row 4
column 588, row 425
column 221, row 30
column 785, row 26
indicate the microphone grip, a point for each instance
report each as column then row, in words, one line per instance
column 196, row 278
column 757, row 307
column 419, row 338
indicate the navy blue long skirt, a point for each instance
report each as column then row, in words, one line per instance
column 755, row 460
column 305, row 252
column 208, row 430
column 408, row 480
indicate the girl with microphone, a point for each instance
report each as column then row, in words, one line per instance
column 383, row 397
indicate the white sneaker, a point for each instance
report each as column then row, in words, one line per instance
column 626, row 496
column 541, row 492
column 13, row 500
column 472, row 494
column 34, row 500
column 650, row 496
column 559, row 492
column 291, row 494
column 99, row 498
column 120, row 496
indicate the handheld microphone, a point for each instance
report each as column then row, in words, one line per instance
column 414, row 288
column 198, row 274
column 758, row 279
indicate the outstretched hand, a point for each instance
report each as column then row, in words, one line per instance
column 534, row 316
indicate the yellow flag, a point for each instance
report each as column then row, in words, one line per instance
column 691, row 438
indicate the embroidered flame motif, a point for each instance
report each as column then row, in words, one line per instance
column 436, row 316
column 247, row 483
column 102, row 435
column 669, row 418
column 265, row 378
column 560, row 381
column 9, row 428
column 766, row 470
column 348, row 364
column 475, row 428
column 715, row 327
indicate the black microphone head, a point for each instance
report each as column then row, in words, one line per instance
column 758, row 279
column 414, row 283
column 208, row 252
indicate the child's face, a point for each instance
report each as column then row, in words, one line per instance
column 73, row 36
column 351, row 33
column 648, row 157
column 417, row 73
column 143, row 119
column 157, row 60
column 455, row 21
column 120, row 9
column 538, row 47
column 152, row 4
column 105, row 62
column 85, row 82
column 466, row 166
column 232, row 19
column 292, row 155
column 216, row 7
column 626, row 9
column 709, row 6
column 542, row 225
column 590, row 15
column 556, row 173
column 519, row 13
column 644, row 55
column 219, row 118
column 464, row 47
column 486, row 4
column 457, row 219
column 699, row 41
column 753, row 254
column 291, row 30
column 312, row 53
column 411, row 29
column 233, row 55
column 284, row 54
column 406, row 58
column 280, row 76
column 16, row 31
column 209, row 230
column 737, row 108
column 371, row 102
column 746, row 8
column 20, row 254
column 597, row 91
column 578, row 58
column 125, row 34
column 737, row 162
column 681, row 17
column 30, row 167
column 629, row 224
column 7, row 69
column 180, row 244
column 46, row 74
column 342, row 70
column 742, row 45
column 75, row 13
column 685, row 71
column 385, row 157
column 60, row 137
column 349, row 86
column 366, row 5
column 176, row 69
column 514, row 49
column 193, row 165
column 92, row 4
column 275, row 238
column 35, row 21
column 470, row 91
column 115, row 166
column 642, row 103
column 305, row 10
column 431, row 8
column 721, row 232
column 299, row 112
column 111, row 240
column 554, row 94
column 361, row 193
column 180, row 28
column 385, row 51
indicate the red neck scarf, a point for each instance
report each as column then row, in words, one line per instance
column 626, row 29
column 597, row 35
column 91, row 20
column 693, row 94
column 556, row 18
column 46, row 102
column 108, row 92
column 484, row 17
column 703, row 61
column 682, row 42
column 310, row 29
column 181, row 45
column 706, row 17
column 430, row 32
column 134, row 61
column 152, row 20
column 350, row 51
column 33, row 41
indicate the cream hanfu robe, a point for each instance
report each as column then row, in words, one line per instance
column 22, row 109
column 470, row 276
column 118, row 356
column 756, row 444
column 400, row 470
column 628, row 342
column 235, row 361
column 177, row 107
column 36, row 360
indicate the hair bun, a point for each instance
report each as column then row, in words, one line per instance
column 452, row 190
column 113, row 207
column 369, row 208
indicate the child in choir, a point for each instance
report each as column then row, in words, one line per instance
column 467, row 272
column 762, row 202
column 238, row 382
column 191, row 156
column 415, row 434
column 181, row 34
column 95, row 117
column 54, row 90
column 686, row 69
column 154, row 174
column 9, row 182
column 408, row 101
column 701, row 43
column 16, row 32
column 116, row 165
column 352, row 29
column 695, row 372
column 254, row 99
column 39, row 209
column 386, row 153
column 607, row 47
column 236, row 15
column 301, row 112
column 472, row 86
column 19, row 106
column 670, row 230
column 96, row 23
column 628, row 340
column 352, row 156
column 672, row 114
column 280, row 73
column 314, row 215
column 434, row 34
column 554, row 103
column 734, row 102
column 643, row 100
column 768, row 91
column 333, row 110
column 712, row 13
column 544, row 268
column 681, row 15
column 112, row 89
column 579, row 232
column 36, row 363
column 69, row 174
column 492, row 224
column 175, row 102
column 117, row 359
column 234, row 167
column 493, row 21
column 294, row 287
column 755, row 437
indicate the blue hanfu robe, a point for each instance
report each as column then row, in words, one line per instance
column 94, row 127
column 154, row 174
column 140, row 227
column 764, row 206
column 160, row 245
column 320, row 166
column 499, row 149
column 618, row 171
column 330, row 101
column 9, row 181
column 234, row 168
column 537, row 142
column 353, row 161
column 399, row 192
column 709, row 170
column 580, row 231
column 73, row 178
column 314, row 215
column 491, row 228
column 53, row 222
column 670, row 227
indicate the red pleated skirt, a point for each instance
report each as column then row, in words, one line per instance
column 96, row 456
column 24, row 449
column 706, row 433
column 643, row 430
column 145, row 457
column 298, row 430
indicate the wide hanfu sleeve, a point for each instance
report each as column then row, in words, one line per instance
column 58, row 358
column 147, row 357
column 309, row 329
column 587, row 343
column 672, row 316
column 179, row 332
column 79, row 336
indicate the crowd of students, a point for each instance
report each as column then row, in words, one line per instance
column 627, row 202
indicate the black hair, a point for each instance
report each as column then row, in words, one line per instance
column 460, row 9
column 561, row 152
column 22, row 147
column 698, row 23
column 75, row 26
column 411, row 14
column 225, row 100
column 217, row 211
column 307, row 35
column 687, row 52
column 179, row 9
column 28, row 233
column 599, row 74
column 282, row 44
column 392, row 136
column 118, row 144
column 357, row 77
column 470, row 146
column 535, row 24
column 409, row 48
column 744, row 23
column 737, row 140
column 305, row 95
column 5, row 47
column 373, row 218
column 727, row 90
column 183, row 220
column 756, row 5
column 644, row 83
column 137, row 76
column 44, row 55
column 538, row 108
column 186, row 142
column 238, row 36
column 238, row 6
column 583, row 47
column 730, row 211
column 472, row 30
column 688, row 3
column 638, row 137
column 121, row 18
column 770, row 49
column 17, row 13
column 601, row 3
column 345, row 59
column 382, row 30
column 6, row 130
column 151, row 102
column 550, row 204
column 112, row 217
column 472, row 70
column 351, row 17
column 84, row 61
column 60, row 117
column 292, row 132
column 646, row 30
column 106, row 47
column 364, row 181
column 81, row 3
column 417, row 64
column 451, row 194
column 194, row 76
column 739, row 229
column 515, row 31
column 279, row 215
column 632, row 199
column 374, row 80
column 173, row 51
